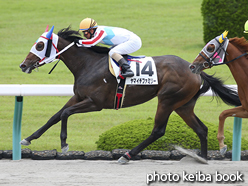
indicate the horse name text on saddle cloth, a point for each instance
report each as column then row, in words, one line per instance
column 145, row 72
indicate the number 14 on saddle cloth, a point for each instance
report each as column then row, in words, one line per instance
column 145, row 72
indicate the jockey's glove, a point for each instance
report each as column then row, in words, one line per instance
column 76, row 41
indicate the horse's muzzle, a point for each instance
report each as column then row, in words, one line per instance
column 26, row 69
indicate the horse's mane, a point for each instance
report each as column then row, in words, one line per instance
column 240, row 43
column 71, row 35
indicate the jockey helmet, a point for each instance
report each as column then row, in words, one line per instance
column 87, row 24
column 246, row 27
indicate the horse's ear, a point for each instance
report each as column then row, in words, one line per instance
column 49, row 34
column 223, row 36
column 47, row 28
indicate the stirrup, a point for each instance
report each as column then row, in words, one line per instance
column 128, row 73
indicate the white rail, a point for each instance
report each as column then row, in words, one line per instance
column 50, row 90
column 36, row 90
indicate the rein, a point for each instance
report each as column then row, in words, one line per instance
column 48, row 60
column 231, row 60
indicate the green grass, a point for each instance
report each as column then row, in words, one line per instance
column 165, row 27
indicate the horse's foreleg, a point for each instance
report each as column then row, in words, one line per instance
column 158, row 131
column 52, row 121
column 234, row 112
column 87, row 105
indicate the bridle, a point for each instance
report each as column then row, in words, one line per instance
column 49, row 59
column 209, row 61
column 232, row 59
column 51, row 53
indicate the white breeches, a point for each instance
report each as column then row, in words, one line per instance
column 133, row 44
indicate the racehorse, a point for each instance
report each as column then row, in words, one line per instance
column 233, row 53
column 95, row 87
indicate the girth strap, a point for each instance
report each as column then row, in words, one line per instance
column 120, row 92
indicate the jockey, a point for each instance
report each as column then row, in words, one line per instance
column 122, row 41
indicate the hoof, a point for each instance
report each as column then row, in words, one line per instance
column 191, row 154
column 65, row 149
column 223, row 150
column 25, row 142
column 122, row 160
column 200, row 159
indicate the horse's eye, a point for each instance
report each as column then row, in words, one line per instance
column 210, row 48
column 40, row 46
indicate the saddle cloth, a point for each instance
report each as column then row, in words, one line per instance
column 145, row 72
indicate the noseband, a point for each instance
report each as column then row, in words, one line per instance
column 207, row 63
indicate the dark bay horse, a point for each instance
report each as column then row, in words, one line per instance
column 235, row 56
column 95, row 88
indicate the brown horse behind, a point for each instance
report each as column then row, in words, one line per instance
column 236, row 59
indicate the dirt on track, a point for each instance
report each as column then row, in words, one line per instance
column 28, row 172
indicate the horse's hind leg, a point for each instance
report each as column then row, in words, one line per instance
column 234, row 112
column 161, row 119
column 187, row 114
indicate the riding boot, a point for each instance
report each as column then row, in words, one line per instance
column 125, row 68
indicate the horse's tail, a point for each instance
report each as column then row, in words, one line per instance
column 226, row 94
